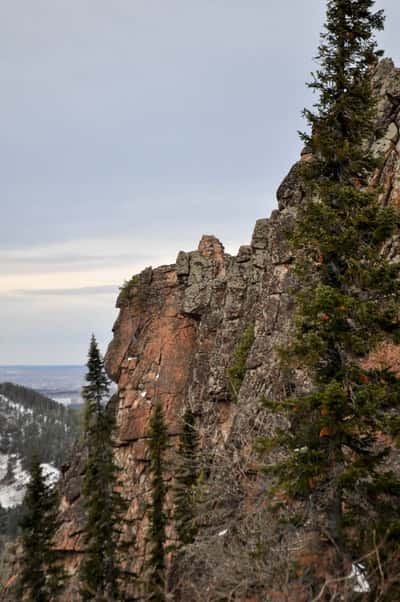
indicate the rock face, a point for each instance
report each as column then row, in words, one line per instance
column 174, row 340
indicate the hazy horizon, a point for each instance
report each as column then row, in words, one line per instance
column 61, row 383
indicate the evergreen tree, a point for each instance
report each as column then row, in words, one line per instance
column 97, row 389
column 100, row 574
column 186, row 480
column 158, row 444
column 347, row 302
column 41, row 578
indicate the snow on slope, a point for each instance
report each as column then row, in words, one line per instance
column 12, row 490
column 30, row 422
column 15, row 406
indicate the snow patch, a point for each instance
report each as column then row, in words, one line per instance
column 65, row 401
column 361, row 585
column 15, row 406
column 222, row 533
column 51, row 473
column 12, row 494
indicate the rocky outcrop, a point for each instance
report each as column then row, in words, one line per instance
column 173, row 341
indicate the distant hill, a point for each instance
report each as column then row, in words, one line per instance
column 31, row 422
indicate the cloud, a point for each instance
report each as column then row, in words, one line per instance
column 36, row 264
column 58, row 260
column 85, row 291
column 78, row 264
column 79, row 249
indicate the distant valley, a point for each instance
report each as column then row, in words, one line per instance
column 60, row 383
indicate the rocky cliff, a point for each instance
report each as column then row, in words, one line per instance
column 174, row 340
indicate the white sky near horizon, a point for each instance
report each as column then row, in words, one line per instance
column 129, row 129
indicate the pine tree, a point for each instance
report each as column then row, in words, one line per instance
column 41, row 578
column 347, row 302
column 97, row 389
column 100, row 574
column 344, row 117
column 186, row 480
column 158, row 444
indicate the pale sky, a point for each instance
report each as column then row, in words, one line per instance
column 128, row 129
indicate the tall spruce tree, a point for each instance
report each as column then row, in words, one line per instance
column 186, row 477
column 347, row 302
column 41, row 577
column 158, row 445
column 100, row 574
column 97, row 389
